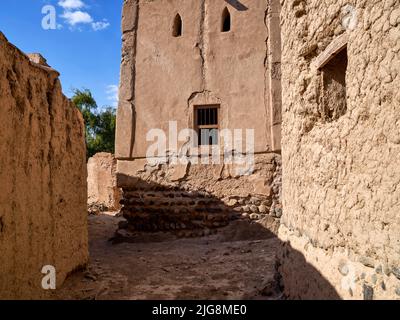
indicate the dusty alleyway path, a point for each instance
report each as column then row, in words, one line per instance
column 236, row 263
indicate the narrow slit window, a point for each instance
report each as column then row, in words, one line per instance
column 177, row 27
column 206, row 122
column 226, row 21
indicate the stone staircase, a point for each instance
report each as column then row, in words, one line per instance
column 164, row 209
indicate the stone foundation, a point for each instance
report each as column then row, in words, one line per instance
column 103, row 193
column 187, row 197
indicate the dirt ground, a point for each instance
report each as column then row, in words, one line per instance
column 238, row 262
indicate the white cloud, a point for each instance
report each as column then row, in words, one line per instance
column 76, row 17
column 112, row 94
column 71, row 4
column 100, row 25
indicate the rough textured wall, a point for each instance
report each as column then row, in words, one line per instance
column 341, row 179
column 164, row 78
column 43, row 177
column 103, row 193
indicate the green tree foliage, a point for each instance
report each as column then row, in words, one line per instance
column 100, row 125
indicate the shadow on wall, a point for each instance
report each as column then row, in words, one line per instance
column 305, row 279
column 237, row 5
column 152, row 207
column 149, row 206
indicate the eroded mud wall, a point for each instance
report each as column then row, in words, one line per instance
column 42, row 177
column 103, row 193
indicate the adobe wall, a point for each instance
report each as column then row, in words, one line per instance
column 202, row 196
column 164, row 78
column 103, row 193
column 43, row 177
column 341, row 178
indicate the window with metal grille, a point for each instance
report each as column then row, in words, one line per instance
column 206, row 123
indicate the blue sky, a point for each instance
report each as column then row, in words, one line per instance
column 85, row 46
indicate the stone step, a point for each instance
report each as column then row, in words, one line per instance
column 170, row 201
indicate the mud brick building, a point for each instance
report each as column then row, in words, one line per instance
column 205, row 65
column 43, row 193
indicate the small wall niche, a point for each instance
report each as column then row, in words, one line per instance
column 226, row 21
column 207, row 124
column 333, row 78
column 177, row 26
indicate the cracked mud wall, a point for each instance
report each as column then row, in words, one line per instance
column 43, row 177
column 341, row 181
